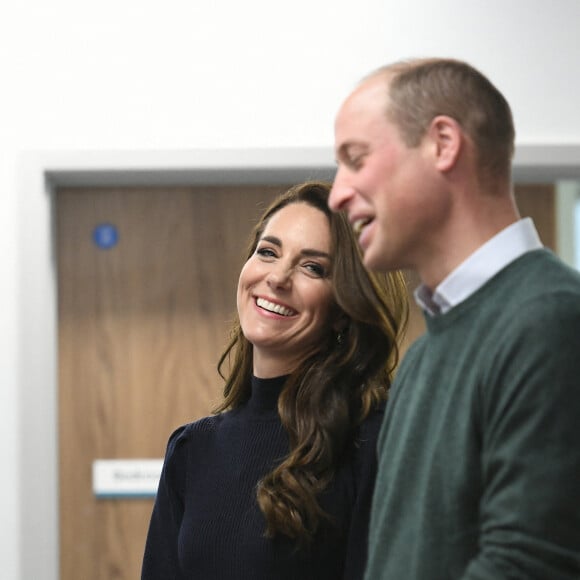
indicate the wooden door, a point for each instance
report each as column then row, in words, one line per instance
column 144, row 313
column 537, row 201
column 141, row 326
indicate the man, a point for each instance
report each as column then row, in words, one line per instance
column 479, row 474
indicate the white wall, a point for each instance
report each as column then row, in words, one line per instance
column 152, row 77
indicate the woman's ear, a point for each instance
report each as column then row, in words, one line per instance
column 340, row 323
column 339, row 329
column 447, row 139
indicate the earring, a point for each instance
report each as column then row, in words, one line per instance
column 339, row 338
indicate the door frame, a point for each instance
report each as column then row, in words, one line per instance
column 39, row 174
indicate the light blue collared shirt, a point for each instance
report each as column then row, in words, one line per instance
column 506, row 246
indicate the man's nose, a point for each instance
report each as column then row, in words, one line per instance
column 341, row 192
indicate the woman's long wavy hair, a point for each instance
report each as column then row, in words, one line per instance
column 326, row 398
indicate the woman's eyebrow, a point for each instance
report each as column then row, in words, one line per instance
column 272, row 239
column 315, row 253
column 305, row 252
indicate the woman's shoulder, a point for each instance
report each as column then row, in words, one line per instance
column 365, row 438
column 370, row 426
column 361, row 459
column 194, row 431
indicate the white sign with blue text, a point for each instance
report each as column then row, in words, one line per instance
column 126, row 478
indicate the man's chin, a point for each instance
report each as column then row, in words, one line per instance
column 372, row 262
column 376, row 260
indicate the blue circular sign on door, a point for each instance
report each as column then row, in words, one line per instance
column 105, row 236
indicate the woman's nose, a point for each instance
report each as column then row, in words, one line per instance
column 279, row 277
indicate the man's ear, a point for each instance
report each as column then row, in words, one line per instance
column 447, row 140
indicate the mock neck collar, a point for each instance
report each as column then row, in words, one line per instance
column 265, row 393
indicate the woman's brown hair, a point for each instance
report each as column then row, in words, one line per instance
column 326, row 398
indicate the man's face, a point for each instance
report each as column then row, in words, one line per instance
column 381, row 183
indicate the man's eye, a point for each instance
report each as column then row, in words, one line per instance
column 356, row 162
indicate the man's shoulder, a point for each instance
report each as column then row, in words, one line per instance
column 545, row 270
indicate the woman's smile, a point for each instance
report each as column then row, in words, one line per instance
column 285, row 291
column 274, row 307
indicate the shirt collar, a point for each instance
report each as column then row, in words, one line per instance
column 505, row 247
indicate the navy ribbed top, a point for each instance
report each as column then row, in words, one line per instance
column 206, row 522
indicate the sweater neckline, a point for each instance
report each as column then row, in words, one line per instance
column 439, row 323
column 265, row 393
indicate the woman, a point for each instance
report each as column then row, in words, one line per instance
column 278, row 483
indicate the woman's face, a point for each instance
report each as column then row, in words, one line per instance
column 285, row 291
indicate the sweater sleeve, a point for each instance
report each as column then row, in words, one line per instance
column 365, row 471
column 529, row 511
column 161, row 557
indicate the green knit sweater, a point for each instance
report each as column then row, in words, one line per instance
column 479, row 473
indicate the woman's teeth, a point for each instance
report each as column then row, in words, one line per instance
column 277, row 308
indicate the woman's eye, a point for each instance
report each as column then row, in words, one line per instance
column 317, row 269
column 266, row 252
